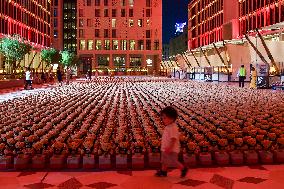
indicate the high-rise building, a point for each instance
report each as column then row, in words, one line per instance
column 28, row 19
column 178, row 44
column 205, row 20
column 232, row 33
column 218, row 20
column 118, row 35
column 260, row 14
column 64, row 25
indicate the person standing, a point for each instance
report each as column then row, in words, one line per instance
column 68, row 74
column 59, row 76
column 242, row 76
column 28, row 79
column 90, row 74
column 96, row 74
column 253, row 78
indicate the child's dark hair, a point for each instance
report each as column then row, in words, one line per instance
column 170, row 112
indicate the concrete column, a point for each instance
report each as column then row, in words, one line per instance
column 144, row 64
column 111, row 64
column 127, row 61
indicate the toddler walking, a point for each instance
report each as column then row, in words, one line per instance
column 170, row 146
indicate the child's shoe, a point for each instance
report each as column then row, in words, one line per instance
column 184, row 172
column 161, row 173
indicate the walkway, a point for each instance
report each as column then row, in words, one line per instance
column 255, row 177
column 9, row 94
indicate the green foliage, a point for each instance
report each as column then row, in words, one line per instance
column 49, row 56
column 68, row 58
column 14, row 48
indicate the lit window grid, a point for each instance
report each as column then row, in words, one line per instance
column 9, row 25
column 205, row 22
column 116, row 45
column 7, row 9
column 31, row 13
column 253, row 16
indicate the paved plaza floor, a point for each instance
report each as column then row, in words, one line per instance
column 253, row 177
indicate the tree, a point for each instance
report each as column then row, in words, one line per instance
column 68, row 59
column 14, row 49
column 49, row 56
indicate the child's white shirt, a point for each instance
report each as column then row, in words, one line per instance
column 170, row 132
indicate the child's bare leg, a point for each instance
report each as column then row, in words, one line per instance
column 179, row 165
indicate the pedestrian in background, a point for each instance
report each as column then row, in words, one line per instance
column 242, row 76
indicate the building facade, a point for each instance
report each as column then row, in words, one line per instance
column 260, row 14
column 218, row 30
column 218, row 20
column 117, row 35
column 28, row 19
column 205, row 21
column 64, row 25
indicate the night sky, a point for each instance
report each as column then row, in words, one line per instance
column 173, row 11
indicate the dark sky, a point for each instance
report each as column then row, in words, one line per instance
column 173, row 11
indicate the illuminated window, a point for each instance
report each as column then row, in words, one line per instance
column 148, row 22
column 119, row 61
column 82, row 44
column 131, row 3
column 107, row 44
column 113, row 23
column 132, row 45
column 140, row 45
column 135, row 61
column 98, row 45
column 90, row 44
column 81, row 22
column 115, row 44
column 140, row 23
column 131, row 23
column 123, row 44
column 103, row 60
